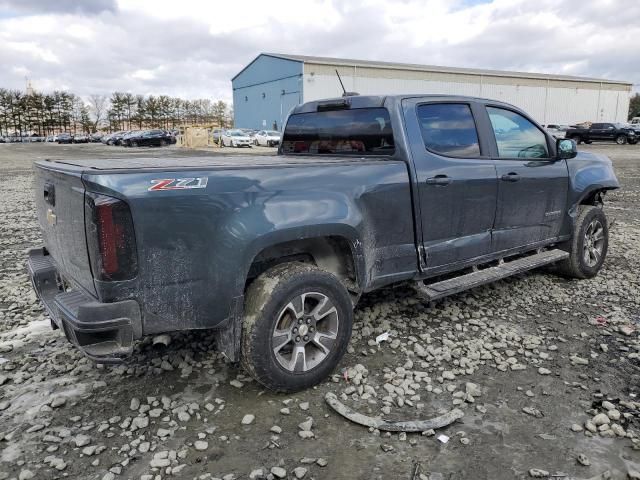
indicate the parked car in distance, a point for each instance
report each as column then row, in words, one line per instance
column 267, row 138
column 603, row 132
column 95, row 137
column 149, row 138
column 556, row 130
column 274, row 252
column 64, row 138
column 235, row 138
column 216, row 135
column 635, row 121
column 111, row 138
column 80, row 138
column 118, row 138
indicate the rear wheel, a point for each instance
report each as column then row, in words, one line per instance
column 621, row 139
column 297, row 326
column 134, row 144
column 588, row 246
column 163, row 143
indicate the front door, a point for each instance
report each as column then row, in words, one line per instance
column 456, row 179
column 532, row 186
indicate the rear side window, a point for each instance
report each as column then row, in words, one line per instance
column 516, row 136
column 449, row 129
column 362, row 131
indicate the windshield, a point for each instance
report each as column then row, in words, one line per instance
column 363, row 131
column 236, row 133
column 273, row 133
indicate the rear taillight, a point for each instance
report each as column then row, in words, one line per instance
column 110, row 238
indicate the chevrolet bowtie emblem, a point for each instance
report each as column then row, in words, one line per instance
column 51, row 217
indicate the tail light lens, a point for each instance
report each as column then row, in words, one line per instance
column 110, row 238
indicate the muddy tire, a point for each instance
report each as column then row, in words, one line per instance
column 588, row 246
column 296, row 328
column 621, row 139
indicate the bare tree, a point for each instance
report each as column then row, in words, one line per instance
column 99, row 106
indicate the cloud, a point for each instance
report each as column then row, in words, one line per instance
column 89, row 7
column 192, row 48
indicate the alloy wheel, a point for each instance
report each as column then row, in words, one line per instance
column 593, row 245
column 305, row 332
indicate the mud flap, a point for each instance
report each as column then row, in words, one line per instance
column 229, row 335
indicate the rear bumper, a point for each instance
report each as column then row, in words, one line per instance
column 104, row 332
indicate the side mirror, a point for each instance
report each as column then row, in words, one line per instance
column 566, row 148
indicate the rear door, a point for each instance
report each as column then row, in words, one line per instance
column 532, row 186
column 456, row 179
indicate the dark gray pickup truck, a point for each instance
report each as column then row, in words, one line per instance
column 273, row 252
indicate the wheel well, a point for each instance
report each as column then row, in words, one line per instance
column 332, row 254
column 595, row 198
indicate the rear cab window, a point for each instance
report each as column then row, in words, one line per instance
column 361, row 131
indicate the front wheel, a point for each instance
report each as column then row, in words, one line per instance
column 577, row 139
column 621, row 139
column 297, row 326
column 589, row 245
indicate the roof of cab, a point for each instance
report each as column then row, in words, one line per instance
column 376, row 101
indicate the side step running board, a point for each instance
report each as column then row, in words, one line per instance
column 454, row 285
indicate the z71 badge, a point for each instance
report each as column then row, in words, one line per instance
column 178, row 184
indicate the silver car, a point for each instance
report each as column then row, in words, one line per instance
column 236, row 138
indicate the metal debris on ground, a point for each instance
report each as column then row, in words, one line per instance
column 392, row 426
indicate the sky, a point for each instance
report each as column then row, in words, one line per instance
column 192, row 49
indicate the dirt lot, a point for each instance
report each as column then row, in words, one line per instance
column 535, row 362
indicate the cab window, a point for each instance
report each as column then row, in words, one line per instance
column 516, row 136
column 449, row 129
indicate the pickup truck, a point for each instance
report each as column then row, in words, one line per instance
column 604, row 132
column 273, row 252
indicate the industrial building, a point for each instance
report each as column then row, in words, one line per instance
column 272, row 84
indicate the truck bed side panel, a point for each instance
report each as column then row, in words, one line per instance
column 195, row 246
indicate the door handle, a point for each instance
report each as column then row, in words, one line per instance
column 510, row 177
column 441, row 180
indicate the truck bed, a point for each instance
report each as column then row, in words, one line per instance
column 122, row 165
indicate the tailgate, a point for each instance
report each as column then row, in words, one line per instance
column 60, row 209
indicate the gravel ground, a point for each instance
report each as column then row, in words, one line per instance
column 547, row 371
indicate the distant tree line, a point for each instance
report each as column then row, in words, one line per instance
column 128, row 112
column 41, row 114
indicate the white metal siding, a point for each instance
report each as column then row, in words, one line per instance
column 546, row 101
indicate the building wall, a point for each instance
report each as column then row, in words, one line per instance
column 265, row 91
column 548, row 101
